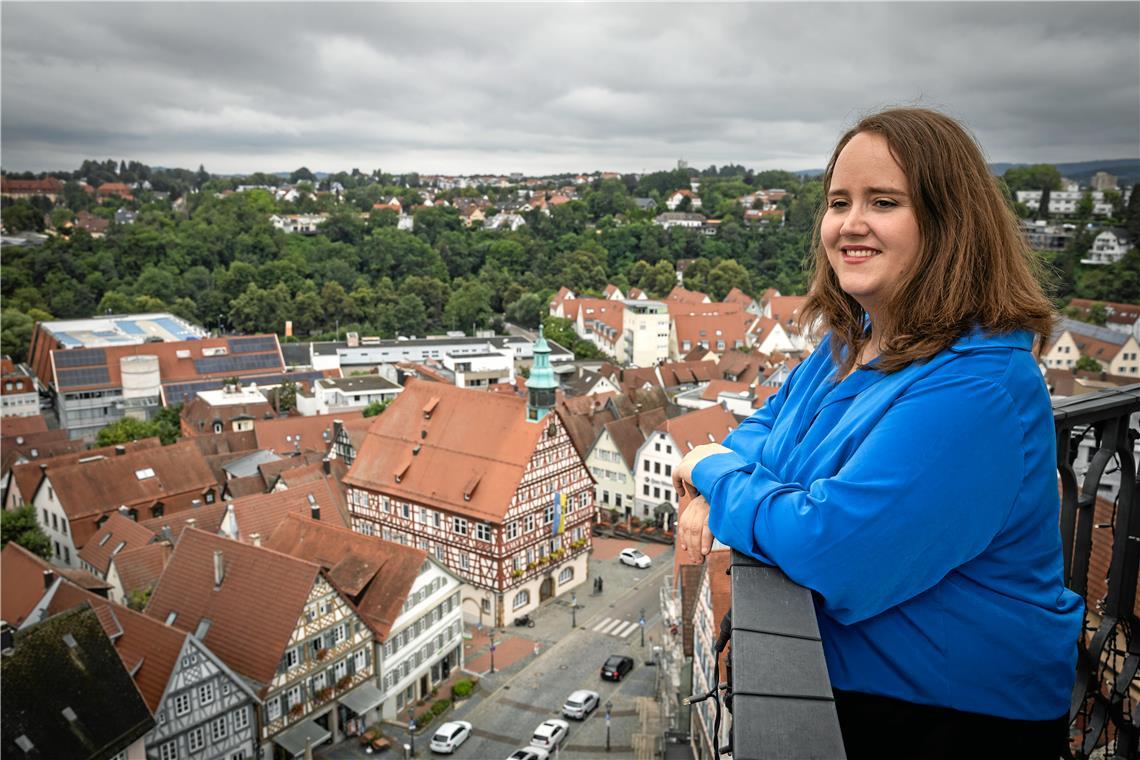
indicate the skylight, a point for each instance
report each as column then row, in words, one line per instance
column 144, row 473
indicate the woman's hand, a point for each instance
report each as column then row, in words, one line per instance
column 683, row 475
column 693, row 529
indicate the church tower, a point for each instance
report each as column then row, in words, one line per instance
column 542, row 383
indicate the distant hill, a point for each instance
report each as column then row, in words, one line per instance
column 1126, row 170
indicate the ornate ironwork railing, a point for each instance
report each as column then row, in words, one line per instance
column 782, row 709
column 1103, row 712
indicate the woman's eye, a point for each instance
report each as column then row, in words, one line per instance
column 885, row 203
column 837, row 203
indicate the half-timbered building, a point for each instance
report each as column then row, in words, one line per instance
column 279, row 623
column 489, row 484
column 408, row 599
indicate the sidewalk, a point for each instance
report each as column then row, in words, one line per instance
column 515, row 648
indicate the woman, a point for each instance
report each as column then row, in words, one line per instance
column 906, row 471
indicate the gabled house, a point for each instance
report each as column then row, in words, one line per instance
column 1117, row 353
column 228, row 409
column 664, row 450
column 117, row 534
column 302, row 648
column 68, row 695
column 612, row 458
column 73, row 501
column 26, row 471
column 678, row 197
column 201, row 708
column 410, row 601
column 487, row 483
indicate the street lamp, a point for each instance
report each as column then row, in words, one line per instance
column 641, row 623
column 492, row 637
column 573, row 609
column 412, row 734
column 609, row 706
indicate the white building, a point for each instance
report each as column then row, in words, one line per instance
column 645, row 333
column 1108, row 247
column 480, row 370
column 300, row 224
column 346, row 394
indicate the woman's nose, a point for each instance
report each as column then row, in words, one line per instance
column 854, row 222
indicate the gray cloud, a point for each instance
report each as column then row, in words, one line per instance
column 542, row 88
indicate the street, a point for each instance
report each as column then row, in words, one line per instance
column 504, row 720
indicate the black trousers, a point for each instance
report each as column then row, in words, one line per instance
column 877, row 727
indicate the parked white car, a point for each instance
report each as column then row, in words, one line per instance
column 529, row 753
column 631, row 556
column 449, row 736
column 580, row 704
column 550, row 734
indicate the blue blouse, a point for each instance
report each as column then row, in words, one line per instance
column 922, row 509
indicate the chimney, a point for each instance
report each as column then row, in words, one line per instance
column 43, row 467
column 326, row 465
column 255, row 539
column 120, row 450
column 49, row 578
column 195, row 503
column 219, row 569
column 314, row 508
column 190, row 521
column 124, row 511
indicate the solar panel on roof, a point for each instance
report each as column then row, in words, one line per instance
column 251, row 345
column 74, row 378
column 180, row 393
column 130, row 328
column 209, row 365
column 80, row 357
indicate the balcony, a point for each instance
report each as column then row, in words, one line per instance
column 781, row 702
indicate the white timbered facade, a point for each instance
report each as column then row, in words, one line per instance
column 425, row 642
column 207, row 712
column 538, row 549
column 328, row 655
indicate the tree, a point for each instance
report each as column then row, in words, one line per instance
column 526, row 310
column 1087, row 364
column 469, row 307
column 1035, row 177
column 725, row 276
column 124, row 431
column 15, row 333
column 375, row 408
column 302, row 175
column 1098, row 315
column 20, row 525
column 1132, row 215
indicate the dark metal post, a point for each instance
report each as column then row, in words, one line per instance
column 573, row 610
column 609, row 706
column 492, row 636
column 412, row 734
column 641, row 624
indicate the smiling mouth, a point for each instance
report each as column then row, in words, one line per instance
column 860, row 253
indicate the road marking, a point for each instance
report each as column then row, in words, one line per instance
column 630, row 629
column 598, row 627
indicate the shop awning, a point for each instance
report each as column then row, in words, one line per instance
column 362, row 699
column 292, row 739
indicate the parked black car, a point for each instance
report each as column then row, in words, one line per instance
column 616, row 667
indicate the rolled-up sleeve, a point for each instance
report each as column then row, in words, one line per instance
column 932, row 481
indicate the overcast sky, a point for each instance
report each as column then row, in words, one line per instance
column 543, row 88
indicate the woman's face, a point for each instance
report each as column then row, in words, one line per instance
column 870, row 232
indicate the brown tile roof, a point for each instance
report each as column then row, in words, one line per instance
column 199, row 416
column 730, row 327
column 45, row 186
column 118, row 534
column 1065, row 382
column 702, row 426
column 720, row 589
column 226, row 442
column 22, row 581
column 140, row 568
column 629, row 433
column 14, row 426
column 680, row 295
column 89, row 488
column 682, row 373
column 253, row 613
column 36, row 446
column 737, row 366
column 251, row 485
column 149, row 650
column 469, row 457
column 270, row 471
column 376, row 574
column 597, row 312
column 28, row 474
column 584, row 417
column 716, row 387
column 786, row 310
column 761, row 394
column 1118, row 313
column 20, row 384
column 738, row 296
column 316, row 432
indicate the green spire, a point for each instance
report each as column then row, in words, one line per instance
column 542, row 383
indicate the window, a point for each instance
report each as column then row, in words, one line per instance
column 241, row 718
column 459, row 525
column 464, row 561
column 292, row 657
column 656, row 468
column 669, row 469
column 218, row 729
column 206, row 693
column 273, row 708
column 548, row 515
column 656, row 492
column 182, row 703
column 512, row 529
column 566, row 575
column 239, row 755
column 528, row 523
column 293, row 696
column 197, row 737
column 657, row 446
column 360, row 659
column 487, row 606
column 645, row 463
column 340, row 670
column 645, row 489
column 483, row 531
column 168, row 751
column 521, row 598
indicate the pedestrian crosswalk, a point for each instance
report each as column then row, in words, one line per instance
column 615, row 627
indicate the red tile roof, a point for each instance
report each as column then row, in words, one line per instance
column 713, row 390
column 139, row 569
column 13, row 426
column 629, row 433
column 786, row 310
column 376, row 574
column 469, row 457
column 118, row 534
column 1118, row 313
column 252, row 614
column 37, row 446
column 680, row 295
column 708, row 425
column 22, row 581
column 28, row 474
column 315, row 432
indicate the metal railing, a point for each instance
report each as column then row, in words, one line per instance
column 781, row 701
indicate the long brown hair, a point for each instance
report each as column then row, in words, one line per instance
column 974, row 266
